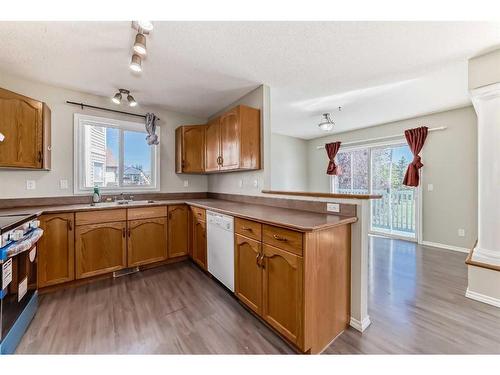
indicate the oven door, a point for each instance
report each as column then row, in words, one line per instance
column 20, row 289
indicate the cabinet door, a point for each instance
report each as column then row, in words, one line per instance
column 193, row 152
column 147, row 241
column 100, row 248
column 200, row 243
column 21, row 124
column 212, row 144
column 178, row 223
column 248, row 273
column 230, row 140
column 56, row 250
column 282, row 292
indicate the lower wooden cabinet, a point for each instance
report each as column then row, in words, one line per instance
column 199, row 241
column 100, row 248
column 147, row 241
column 248, row 272
column 282, row 291
column 56, row 249
column 178, row 223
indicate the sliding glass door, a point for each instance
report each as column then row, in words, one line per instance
column 380, row 170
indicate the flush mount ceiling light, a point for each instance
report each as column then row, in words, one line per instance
column 140, row 44
column 326, row 123
column 117, row 98
column 136, row 63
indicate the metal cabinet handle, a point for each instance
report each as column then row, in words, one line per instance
column 40, row 156
column 70, row 225
column 262, row 264
column 123, row 232
column 279, row 238
column 257, row 259
column 128, row 232
column 247, row 229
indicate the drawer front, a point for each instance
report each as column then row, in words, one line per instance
column 103, row 216
column 281, row 238
column 248, row 228
column 198, row 213
column 147, row 212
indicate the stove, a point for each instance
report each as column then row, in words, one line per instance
column 19, row 235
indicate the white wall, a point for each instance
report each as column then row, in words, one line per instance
column 13, row 182
column 450, row 164
column 230, row 182
column 289, row 163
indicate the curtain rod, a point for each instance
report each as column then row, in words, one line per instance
column 82, row 105
column 380, row 138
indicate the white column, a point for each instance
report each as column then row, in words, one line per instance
column 486, row 102
column 484, row 283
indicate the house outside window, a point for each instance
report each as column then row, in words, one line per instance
column 113, row 155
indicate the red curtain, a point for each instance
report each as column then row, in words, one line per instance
column 331, row 150
column 415, row 138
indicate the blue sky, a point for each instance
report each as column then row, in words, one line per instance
column 137, row 151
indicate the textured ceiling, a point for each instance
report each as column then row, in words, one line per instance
column 377, row 71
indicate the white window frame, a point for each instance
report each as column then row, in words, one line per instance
column 418, row 193
column 78, row 161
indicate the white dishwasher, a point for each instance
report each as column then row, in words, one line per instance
column 220, row 247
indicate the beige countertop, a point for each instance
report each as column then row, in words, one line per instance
column 284, row 217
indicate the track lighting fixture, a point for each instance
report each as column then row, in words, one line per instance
column 145, row 25
column 140, row 44
column 117, row 98
column 136, row 63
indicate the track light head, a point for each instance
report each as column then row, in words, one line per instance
column 140, row 44
column 117, row 98
column 136, row 63
column 131, row 101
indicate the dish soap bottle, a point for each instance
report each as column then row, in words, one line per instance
column 96, row 197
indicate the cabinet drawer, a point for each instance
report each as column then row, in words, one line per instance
column 198, row 213
column 97, row 217
column 281, row 238
column 248, row 228
column 147, row 212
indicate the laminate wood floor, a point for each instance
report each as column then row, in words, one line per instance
column 416, row 303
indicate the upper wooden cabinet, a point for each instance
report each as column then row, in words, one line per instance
column 231, row 143
column 190, row 149
column 25, row 123
column 56, row 249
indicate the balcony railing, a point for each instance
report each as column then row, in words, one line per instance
column 394, row 212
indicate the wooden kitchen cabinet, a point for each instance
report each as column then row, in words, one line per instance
column 248, row 272
column 212, row 145
column 147, row 241
column 178, row 223
column 56, row 249
column 282, row 292
column 190, row 149
column 25, row 123
column 100, row 248
column 199, row 237
column 231, row 142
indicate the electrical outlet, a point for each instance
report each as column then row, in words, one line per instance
column 63, row 184
column 461, row 232
column 240, row 183
column 255, row 183
column 430, row 187
column 30, row 184
column 333, row 207
column 186, row 183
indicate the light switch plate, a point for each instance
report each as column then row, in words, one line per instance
column 461, row 232
column 30, row 184
column 333, row 207
column 63, row 184
column 186, row 183
column 430, row 187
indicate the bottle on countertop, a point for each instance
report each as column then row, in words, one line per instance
column 96, row 196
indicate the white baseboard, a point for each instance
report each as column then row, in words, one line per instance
column 482, row 298
column 446, row 247
column 360, row 326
